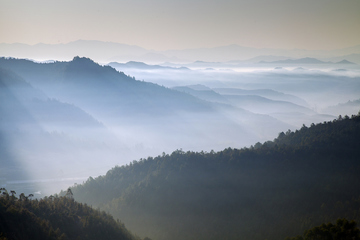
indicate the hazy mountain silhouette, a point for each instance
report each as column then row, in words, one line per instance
column 141, row 66
column 344, row 62
column 247, row 100
column 91, row 112
column 266, row 106
column 108, row 51
column 266, row 93
column 102, row 51
column 264, row 58
column 203, row 93
column 354, row 57
column 103, row 91
column 44, row 138
column 347, row 108
column 297, row 61
column 306, row 61
column 73, row 104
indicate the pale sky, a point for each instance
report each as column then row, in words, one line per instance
column 181, row 24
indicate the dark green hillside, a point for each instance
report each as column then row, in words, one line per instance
column 56, row 218
column 269, row 191
column 341, row 230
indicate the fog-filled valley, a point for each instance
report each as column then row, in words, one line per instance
column 65, row 121
column 179, row 120
column 263, row 148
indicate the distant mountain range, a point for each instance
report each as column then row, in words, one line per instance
column 142, row 66
column 108, row 52
column 58, row 116
column 306, row 61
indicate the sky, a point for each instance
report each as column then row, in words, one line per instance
column 183, row 24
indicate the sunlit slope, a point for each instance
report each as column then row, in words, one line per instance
column 34, row 102
column 44, row 138
column 269, row 191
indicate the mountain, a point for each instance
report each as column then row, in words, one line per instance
column 83, row 83
column 116, row 99
column 43, row 110
column 109, row 51
column 354, row 57
column 297, row 61
column 55, row 218
column 102, row 51
column 43, row 138
column 268, row 191
column 347, row 108
column 344, row 61
column 202, row 92
column 266, row 106
column 276, row 104
column 236, row 52
column 305, row 61
column 266, row 93
column 246, row 99
column 264, row 58
column 69, row 120
column 141, row 66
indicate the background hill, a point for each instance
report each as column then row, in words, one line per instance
column 79, row 118
column 268, row 191
column 109, row 51
column 43, row 138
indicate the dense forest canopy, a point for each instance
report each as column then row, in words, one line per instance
column 55, row 218
column 268, row 191
column 341, row 230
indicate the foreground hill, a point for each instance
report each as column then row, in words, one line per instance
column 56, row 218
column 269, row 191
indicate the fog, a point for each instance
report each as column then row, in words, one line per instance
column 62, row 122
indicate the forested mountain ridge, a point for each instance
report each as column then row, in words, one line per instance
column 85, row 112
column 270, row 190
column 98, row 88
column 56, row 218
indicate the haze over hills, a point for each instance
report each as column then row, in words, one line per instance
column 81, row 110
column 354, row 57
column 271, row 190
column 109, row 51
column 305, row 61
column 44, row 138
column 86, row 112
column 199, row 120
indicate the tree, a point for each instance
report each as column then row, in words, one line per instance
column 69, row 193
column 342, row 230
column 22, row 197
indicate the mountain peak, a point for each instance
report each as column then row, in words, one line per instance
column 83, row 62
column 82, row 59
column 344, row 61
